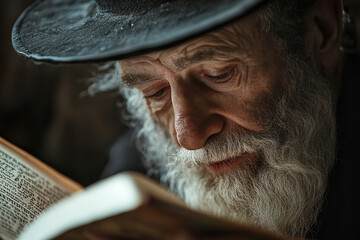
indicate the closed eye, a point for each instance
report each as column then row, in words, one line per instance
column 157, row 94
column 221, row 76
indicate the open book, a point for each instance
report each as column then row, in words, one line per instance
column 36, row 202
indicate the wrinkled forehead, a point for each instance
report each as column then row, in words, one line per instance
column 221, row 43
column 202, row 44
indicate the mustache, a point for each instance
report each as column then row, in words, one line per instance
column 221, row 147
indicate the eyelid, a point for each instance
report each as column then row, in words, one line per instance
column 223, row 76
column 156, row 93
column 161, row 90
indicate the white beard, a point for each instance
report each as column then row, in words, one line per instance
column 282, row 191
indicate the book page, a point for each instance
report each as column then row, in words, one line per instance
column 131, row 206
column 25, row 191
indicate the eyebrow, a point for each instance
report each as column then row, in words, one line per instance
column 206, row 54
column 130, row 80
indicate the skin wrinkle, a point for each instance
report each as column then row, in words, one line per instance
column 241, row 41
column 219, row 50
column 210, row 53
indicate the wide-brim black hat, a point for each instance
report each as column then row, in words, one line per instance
column 94, row 30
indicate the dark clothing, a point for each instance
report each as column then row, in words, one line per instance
column 124, row 156
column 340, row 217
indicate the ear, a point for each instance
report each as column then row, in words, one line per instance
column 325, row 32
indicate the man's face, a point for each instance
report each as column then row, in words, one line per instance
column 236, row 126
column 210, row 86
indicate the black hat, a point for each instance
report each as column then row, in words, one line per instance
column 94, row 30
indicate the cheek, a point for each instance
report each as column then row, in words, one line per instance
column 263, row 108
column 252, row 107
column 164, row 117
column 244, row 113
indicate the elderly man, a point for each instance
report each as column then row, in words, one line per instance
column 235, row 105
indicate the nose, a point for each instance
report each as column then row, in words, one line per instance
column 195, row 117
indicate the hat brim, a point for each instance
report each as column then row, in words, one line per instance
column 79, row 31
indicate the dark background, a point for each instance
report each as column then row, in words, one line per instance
column 43, row 110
